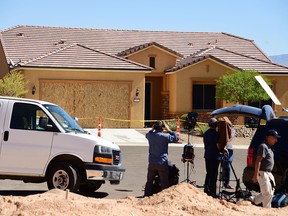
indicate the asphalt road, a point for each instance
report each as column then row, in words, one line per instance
column 135, row 162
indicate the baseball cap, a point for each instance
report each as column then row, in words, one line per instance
column 273, row 133
column 212, row 122
column 159, row 124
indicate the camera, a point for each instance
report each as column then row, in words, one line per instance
column 190, row 121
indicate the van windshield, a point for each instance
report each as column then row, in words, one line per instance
column 68, row 123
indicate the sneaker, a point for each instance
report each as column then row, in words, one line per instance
column 229, row 186
column 251, row 199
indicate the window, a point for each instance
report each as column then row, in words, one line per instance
column 203, row 97
column 260, row 104
column 253, row 122
column 152, row 62
column 26, row 117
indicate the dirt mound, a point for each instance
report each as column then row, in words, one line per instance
column 182, row 199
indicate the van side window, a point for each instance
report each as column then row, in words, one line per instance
column 26, row 117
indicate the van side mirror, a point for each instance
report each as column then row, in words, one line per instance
column 43, row 122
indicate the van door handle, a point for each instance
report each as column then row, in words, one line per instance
column 6, row 135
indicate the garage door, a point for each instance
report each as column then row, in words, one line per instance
column 89, row 99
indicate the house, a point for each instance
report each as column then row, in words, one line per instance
column 127, row 76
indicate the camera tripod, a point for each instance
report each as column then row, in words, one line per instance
column 187, row 180
column 188, row 158
column 227, row 195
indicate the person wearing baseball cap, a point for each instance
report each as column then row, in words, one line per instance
column 212, row 157
column 263, row 166
column 158, row 155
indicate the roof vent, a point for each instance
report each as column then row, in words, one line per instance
column 62, row 41
column 20, row 34
column 190, row 44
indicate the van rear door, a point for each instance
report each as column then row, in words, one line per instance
column 3, row 107
column 25, row 147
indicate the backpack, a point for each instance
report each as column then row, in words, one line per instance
column 279, row 200
column 173, row 178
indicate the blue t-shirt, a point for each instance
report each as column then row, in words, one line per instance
column 158, row 145
column 210, row 140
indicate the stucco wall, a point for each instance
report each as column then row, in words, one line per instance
column 137, row 80
column 3, row 63
column 163, row 60
column 180, row 83
column 281, row 91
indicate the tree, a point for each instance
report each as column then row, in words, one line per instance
column 241, row 87
column 13, row 84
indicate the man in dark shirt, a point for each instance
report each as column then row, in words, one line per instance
column 212, row 158
column 158, row 155
column 263, row 166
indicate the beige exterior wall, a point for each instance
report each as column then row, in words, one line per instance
column 163, row 59
column 3, row 63
column 137, row 80
column 280, row 89
column 180, row 83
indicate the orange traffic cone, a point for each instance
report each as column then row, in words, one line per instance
column 178, row 128
column 99, row 126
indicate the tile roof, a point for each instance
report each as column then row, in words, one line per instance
column 138, row 48
column 79, row 56
column 29, row 43
column 231, row 59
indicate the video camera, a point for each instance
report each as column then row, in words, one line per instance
column 190, row 121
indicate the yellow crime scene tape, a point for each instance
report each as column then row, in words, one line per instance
column 139, row 120
column 143, row 120
column 125, row 120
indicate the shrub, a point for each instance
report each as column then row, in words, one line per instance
column 13, row 84
column 202, row 128
column 172, row 125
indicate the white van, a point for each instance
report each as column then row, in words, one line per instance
column 41, row 142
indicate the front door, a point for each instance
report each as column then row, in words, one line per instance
column 147, row 103
column 153, row 99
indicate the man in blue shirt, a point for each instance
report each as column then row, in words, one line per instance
column 158, row 155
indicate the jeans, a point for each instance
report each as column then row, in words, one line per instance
column 227, row 167
column 266, row 189
column 153, row 170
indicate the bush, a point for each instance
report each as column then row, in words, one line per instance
column 13, row 84
column 172, row 125
column 183, row 119
column 202, row 128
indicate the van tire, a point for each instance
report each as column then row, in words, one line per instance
column 90, row 187
column 63, row 176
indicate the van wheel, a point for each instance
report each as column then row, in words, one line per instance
column 63, row 176
column 90, row 187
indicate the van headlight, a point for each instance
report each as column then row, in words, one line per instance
column 103, row 155
column 104, row 149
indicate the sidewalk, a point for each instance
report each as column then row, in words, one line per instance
column 136, row 137
column 122, row 136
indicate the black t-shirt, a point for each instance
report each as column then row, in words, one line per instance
column 210, row 140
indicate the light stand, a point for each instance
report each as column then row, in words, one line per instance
column 187, row 158
column 238, row 193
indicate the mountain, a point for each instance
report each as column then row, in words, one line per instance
column 280, row 59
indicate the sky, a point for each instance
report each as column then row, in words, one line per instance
column 264, row 21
